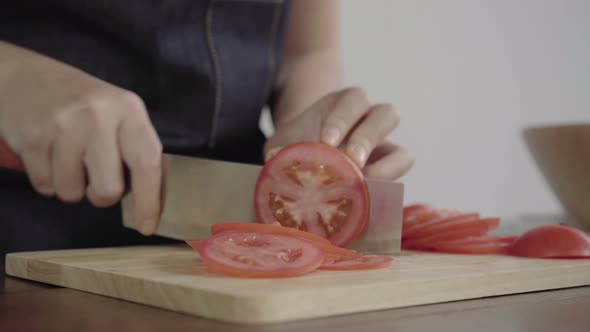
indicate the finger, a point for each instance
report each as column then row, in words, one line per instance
column 142, row 153
column 351, row 105
column 103, row 164
column 373, row 129
column 37, row 164
column 389, row 162
column 67, row 160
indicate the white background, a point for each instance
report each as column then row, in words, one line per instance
column 468, row 76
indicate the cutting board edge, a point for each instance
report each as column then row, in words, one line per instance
column 256, row 310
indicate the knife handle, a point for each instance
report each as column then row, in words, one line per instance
column 9, row 159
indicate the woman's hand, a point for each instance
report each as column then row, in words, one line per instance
column 74, row 133
column 347, row 119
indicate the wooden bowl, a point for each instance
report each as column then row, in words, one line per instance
column 562, row 153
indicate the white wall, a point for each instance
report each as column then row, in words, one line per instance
column 467, row 76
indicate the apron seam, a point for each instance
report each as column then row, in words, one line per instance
column 214, row 54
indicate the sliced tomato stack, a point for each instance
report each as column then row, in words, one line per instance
column 431, row 229
column 251, row 250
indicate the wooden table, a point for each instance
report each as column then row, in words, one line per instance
column 30, row 306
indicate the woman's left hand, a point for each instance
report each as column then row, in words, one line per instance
column 348, row 120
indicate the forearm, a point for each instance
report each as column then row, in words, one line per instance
column 304, row 79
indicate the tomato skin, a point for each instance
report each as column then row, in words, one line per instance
column 272, row 180
column 370, row 262
column 238, row 254
column 552, row 241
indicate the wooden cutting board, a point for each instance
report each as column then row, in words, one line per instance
column 172, row 277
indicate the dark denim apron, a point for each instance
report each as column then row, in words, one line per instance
column 204, row 68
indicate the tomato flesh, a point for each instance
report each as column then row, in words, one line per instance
column 552, row 241
column 276, row 228
column 476, row 245
column 257, row 255
column 314, row 188
column 359, row 263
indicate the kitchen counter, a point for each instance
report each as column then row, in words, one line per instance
column 31, row 306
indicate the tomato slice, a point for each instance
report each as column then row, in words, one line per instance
column 476, row 245
column 423, row 217
column 256, row 255
column 315, row 188
column 454, row 231
column 276, row 228
column 368, row 262
column 451, row 221
column 552, row 241
column 413, row 209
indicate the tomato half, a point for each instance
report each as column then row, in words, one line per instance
column 315, row 188
column 276, row 228
column 256, row 255
column 359, row 263
column 552, row 241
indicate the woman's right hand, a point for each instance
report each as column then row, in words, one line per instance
column 74, row 133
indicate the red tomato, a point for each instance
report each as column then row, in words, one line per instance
column 413, row 209
column 256, row 255
column 552, row 241
column 315, row 188
column 194, row 243
column 273, row 228
column 8, row 159
column 424, row 216
column 455, row 231
column 358, row 263
column 476, row 245
column 452, row 222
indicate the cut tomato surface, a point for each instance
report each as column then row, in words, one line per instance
column 259, row 255
column 274, row 228
column 315, row 188
column 425, row 216
column 552, row 241
column 368, row 262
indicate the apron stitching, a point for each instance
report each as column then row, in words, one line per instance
column 217, row 71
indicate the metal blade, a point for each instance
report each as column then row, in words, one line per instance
column 200, row 192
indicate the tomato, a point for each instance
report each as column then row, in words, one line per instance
column 413, row 209
column 358, row 263
column 552, row 241
column 476, row 245
column 454, row 221
column 259, row 255
column 315, row 188
column 424, row 216
column 273, row 228
column 455, row 231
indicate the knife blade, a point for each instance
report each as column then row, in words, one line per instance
column 200, row 192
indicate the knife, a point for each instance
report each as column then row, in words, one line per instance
column 200, row 192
